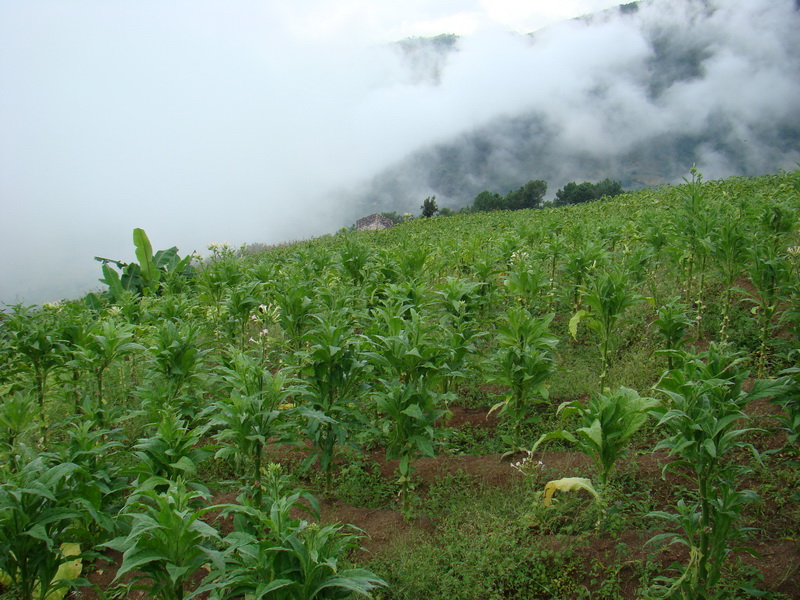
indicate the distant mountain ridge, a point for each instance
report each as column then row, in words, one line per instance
column 684, row 96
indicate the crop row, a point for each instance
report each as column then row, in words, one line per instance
column 118, row 410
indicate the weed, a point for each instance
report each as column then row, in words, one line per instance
column 361, row 484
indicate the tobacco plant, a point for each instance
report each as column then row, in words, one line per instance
column 523, row 362
column 703, row 420
column 525, row 282
column 608, row 422
column 579, row 264
column 35, row 520
column 74, row 328
column 459, row 298
column 693, row 225
column 769, row 273
column 413, row 410
column 551, row 252
column 354, row 258
column 333, row 373
column 173, row 452
column 789, row 400
column 730, row 243
column 297, row 304
column 408, row 347
column 460, row 327
column 106, row 343
column 272, row 553
column 672, row 325
column 17, row 414
column 778, row 221
column 37, row 350
column 179, row 362
column 97, row 484
column 168, row 541
column 608, row 295
column 240, row 305
column 249, row 419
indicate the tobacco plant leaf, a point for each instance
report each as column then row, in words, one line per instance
column 66, row 571
column 568, row 484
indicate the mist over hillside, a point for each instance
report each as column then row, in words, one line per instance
column 638, row 94
column 268, row 122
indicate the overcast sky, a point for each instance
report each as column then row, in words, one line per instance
column 229, row 121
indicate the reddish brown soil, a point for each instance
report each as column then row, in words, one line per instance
column 778, row 561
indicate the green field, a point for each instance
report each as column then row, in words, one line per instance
column 594, row 401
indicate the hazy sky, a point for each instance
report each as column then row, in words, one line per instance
column 233, row 120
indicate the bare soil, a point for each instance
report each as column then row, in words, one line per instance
column 777, row 555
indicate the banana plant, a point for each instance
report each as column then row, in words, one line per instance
column 608, row 422
column 145, row 276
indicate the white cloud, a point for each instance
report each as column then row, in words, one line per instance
column 207, row 120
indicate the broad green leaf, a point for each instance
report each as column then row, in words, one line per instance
column 424, row 444
column 594, row 433
column 561, row 434
column 144, row 253
column 137, row 558
column 112, row 280
column 414, row 412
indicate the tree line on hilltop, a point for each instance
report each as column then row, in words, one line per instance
column 530, row 195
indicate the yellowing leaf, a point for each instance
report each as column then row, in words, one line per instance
column 567, row 484
column 67, row 570
column 573, row 322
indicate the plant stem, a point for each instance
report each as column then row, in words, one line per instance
column 705, row 528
